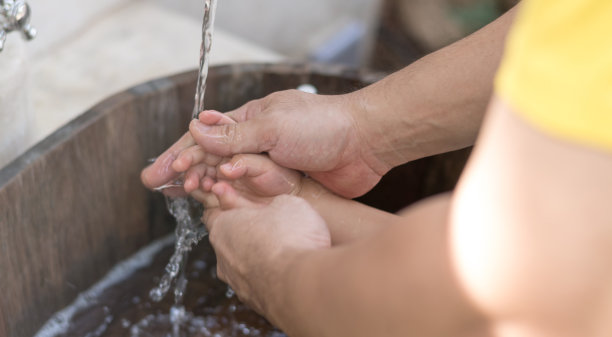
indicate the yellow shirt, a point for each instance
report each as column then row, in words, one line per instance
column 557, row 69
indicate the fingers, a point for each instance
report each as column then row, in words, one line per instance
column 161, row 172
column 236, row 168
column 201, row 175
column 207, row 183
column 188, row 157
column 193, row 177
column 164, row 170
column 193, row 156
column 247, row 165
column 228, row 197
column 263, row 175
column 251, row 136
column 209, row 200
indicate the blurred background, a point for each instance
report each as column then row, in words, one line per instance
column 86, row 50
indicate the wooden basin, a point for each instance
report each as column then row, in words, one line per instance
column 73, row 206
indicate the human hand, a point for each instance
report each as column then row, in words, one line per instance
column 316, row 134
column 162, row 171
column 254, row 176
column 255, row 243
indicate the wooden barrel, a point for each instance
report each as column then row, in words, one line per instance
column 73, row 206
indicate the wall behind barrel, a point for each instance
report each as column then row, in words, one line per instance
column 319, row 30
column 87, row 50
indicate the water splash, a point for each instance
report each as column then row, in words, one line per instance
column 119, row 304
column 60, row 322
column 189, row 231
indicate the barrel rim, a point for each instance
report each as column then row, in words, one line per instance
column 91, row 115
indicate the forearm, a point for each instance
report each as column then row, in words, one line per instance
column 348, row 220
column 397, row 283
column 436, row 104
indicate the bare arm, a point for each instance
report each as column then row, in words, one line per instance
column 348, row 220
column 399, row 282
column 436, row 104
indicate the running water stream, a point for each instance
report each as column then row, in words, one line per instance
column 208, row 22
column 189, row 231
column 117, row 306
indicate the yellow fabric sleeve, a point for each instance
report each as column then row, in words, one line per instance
column 557, row 69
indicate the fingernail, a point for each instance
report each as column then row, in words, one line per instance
column 199, row 126
column 227, row 167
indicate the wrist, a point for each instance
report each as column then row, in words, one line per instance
column 310, row 190
column 379, row 130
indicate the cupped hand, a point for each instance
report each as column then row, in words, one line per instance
column 254, row 242
column 315, row 134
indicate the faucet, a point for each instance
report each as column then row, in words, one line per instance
column 15, row 16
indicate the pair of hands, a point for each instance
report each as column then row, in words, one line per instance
column 254, row 213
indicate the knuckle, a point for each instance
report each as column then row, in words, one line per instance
column 269, row 138
column 272, row 97
column 281, row 96
column 228, row 132
column 251, row 108
column 231, row 135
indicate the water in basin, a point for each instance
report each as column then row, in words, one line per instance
column 119, row 305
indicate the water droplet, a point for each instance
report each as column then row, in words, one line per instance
column 230, row 292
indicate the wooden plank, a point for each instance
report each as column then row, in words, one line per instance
column 73, row 206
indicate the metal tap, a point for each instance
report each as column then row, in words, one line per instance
column 15, row 16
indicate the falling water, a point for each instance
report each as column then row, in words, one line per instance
column 189, row 230
column 221, row 316
column 210, row 7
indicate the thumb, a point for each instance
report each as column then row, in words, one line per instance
column 212, row 117
column 252, row 136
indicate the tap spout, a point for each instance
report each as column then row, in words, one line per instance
column 15, row 16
